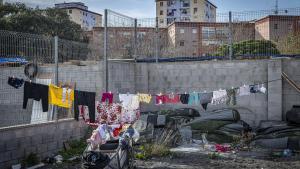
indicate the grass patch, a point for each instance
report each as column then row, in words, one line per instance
column 76, row 148
column 31, row 160
column 152, row 150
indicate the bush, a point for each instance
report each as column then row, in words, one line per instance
column 250, row 47
column 76, row 148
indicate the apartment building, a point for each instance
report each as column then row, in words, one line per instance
column 169, row 11
column 276, row 27
column 80, row 14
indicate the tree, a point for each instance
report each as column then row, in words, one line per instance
column 49, row 22
column 250, row 47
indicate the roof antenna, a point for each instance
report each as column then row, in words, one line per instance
column 276, row 8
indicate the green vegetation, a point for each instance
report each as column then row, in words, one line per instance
column 49, row 22
column 250, row 47
column 291, row 44
column 31, row 160
column 76, row 148
column 152, row 150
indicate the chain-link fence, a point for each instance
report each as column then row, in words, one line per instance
column 57, row 60
column 253, row 34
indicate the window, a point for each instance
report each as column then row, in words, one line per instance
column 181, row 43
column 70, row 11
column 195, row 10
column 276, row 26
column 161, row 20
column 181, row 30
column 161, row 12
column 161, row 3
column 195, row 1
column 194, row 30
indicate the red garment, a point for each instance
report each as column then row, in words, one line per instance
column 160, row 99
column 116, row 131
column 108, row 96
column 222, row 148
column 172, row 98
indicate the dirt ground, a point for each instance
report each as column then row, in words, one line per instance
column 200, row 161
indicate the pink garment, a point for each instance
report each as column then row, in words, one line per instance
column 107, row 96
column 84, row 113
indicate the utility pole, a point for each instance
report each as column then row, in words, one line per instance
column 276, row 8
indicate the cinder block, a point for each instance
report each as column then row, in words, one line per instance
column 52, row 146
column 11, row 145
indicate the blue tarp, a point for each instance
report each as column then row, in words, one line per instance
column 13, row 60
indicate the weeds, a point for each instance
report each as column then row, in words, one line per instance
column 152, row 150
column 31, row 160
column 76, row 148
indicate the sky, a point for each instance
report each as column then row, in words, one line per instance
column 146, row 8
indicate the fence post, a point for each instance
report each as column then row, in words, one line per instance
column 230, row 36
column 105, row 51
column 135, row 39
column 55, row 115
column 157, row 41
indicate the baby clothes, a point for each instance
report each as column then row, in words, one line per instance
column 160, row 99
column 194, row 99
column 62, row 97
column 205, row 99
column 15, row 82
column 108, row 113
column 219, row 97
column 172, row 98
column 257, row 89
column 84, row 113
column 244, row 91
column 184, row 98
column 146, row 98
column 107, row 96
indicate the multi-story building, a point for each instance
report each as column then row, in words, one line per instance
column 276, row 27
column 169, row 11
column 80, row 14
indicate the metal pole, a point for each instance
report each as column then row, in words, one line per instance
column 156, row 43
column 55, row 111
column 230, row 36
column 135, row 39
column 105, row 51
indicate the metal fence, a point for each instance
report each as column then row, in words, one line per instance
column 232, row 35
column 53, row 56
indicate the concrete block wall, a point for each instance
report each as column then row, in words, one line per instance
column 290, row 96
column 43, row 139
column 207, row 76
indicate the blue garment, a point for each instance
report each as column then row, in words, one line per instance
column 194, row 98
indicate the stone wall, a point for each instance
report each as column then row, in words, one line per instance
column 42, row 139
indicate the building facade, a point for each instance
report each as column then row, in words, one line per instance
column 80, row 14
column 169, row 11
column 276, row 27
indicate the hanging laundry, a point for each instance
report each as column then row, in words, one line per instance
column 184, row 98
column 160, row 99
column 243, row 91
column 130, row 101
column 172, row 98
column 84, row 113
column 146, row 98
column 205, row 99
column 85, row 99
column 194, row 99
column 107, row 96
column 231, row 93
column 129, row 116
column 37, row 92
column 62, row 97
column 108, row 113
column 257, row 89
column 219, row 97
column 263, row 89
column 15, row 82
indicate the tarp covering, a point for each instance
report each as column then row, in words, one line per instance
column 18, row 60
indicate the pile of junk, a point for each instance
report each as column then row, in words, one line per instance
column 225, row 129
